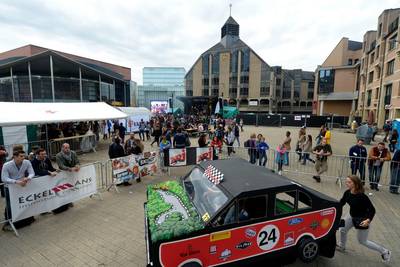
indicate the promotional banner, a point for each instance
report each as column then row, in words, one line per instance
column 46, row 193
column 134, row 166
column 159, row 107
column 177, row 157
column 203, row 153
column 132, row 122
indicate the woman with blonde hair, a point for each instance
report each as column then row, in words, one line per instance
column 361, row 214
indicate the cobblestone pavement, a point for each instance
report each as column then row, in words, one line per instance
column 110, row 232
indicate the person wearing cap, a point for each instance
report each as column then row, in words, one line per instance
column 358, row 156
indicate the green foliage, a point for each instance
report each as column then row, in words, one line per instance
column 174, row 225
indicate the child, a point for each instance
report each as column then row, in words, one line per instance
column 281, row 157
column 262, row 148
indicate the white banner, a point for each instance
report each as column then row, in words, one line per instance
column 177, row 157
column 203, row 153
column 46, row 193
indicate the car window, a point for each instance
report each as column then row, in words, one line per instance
column 229, row 216
column 206, row 196
column 285, row 202
column 252, row 208
column 304, row 201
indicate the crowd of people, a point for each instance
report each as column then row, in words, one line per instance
column 22, row 168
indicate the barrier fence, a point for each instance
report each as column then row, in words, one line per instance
column 80, row 144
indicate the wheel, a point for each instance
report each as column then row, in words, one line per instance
column 191, row 264
column 308, row 249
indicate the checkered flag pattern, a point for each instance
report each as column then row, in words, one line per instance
column 214, row 175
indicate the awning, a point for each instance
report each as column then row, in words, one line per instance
column 135, row 110
column 17, row 113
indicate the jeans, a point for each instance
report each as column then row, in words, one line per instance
column 252, row 154
column 262, row 160
column 306, row 156
column 394, row 179
column 374, row 174
column 287, row 156
column 141, row 135
column 392, row 147
column 230, row 149
column 236, row 138
column 362, row 236
column 360, row 167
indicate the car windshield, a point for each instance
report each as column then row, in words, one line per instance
column 205, row 195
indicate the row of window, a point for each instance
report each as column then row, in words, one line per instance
column 256, row 207
column 388, row 95
column 389, row 71
column 392, row 44
column 234, row 62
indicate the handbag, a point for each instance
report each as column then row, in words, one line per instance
column 357, row 221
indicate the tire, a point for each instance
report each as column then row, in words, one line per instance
column 192, row 264
column 308, row 249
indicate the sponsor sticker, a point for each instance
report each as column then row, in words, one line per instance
column 206, row 217
column 295, row 221
column 250, row 232
column 327, row 212
column 220, row 236
column 314, row 225
column 289, row 238
column 268, row 237
column 243, row 245
column 325, row 223
column 225, row 254
column 213, row 249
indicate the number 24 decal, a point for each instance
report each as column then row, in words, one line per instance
column 268, row 237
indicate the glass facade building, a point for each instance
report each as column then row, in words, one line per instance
column 52, row 77
column 160, row 84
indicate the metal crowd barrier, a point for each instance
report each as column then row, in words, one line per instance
column 79, row 144
column 28, row 147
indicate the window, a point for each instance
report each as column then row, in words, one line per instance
column 372, row 58
column 245, row 209
column 370, row 77
column 304, row 201
column 311, row 85
column 244, row 79
column 234, row 62
column 189, row 92
column 310, row 94
column 215, row 91
column 245, row 61
column 206, row 64
column 205, row 81
column 205, row 92
column 393, row 26
column 233, row 92
column 377, row 51
column 350, row 61
column 264, row 91
column 378, row 72
column 356, row 60
column 388, row 94
column 233, row 80
column 215, row 64
column 390, row 67
column 215, row 81
column 369, row 94
column 393, row 42
column 278, row 82
column 285, row 202
column 244, row 91
column 326, row 81
column 379, row 29
column 377, row 93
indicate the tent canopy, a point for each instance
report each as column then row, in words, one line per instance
column 135, row 110
column 230, row 112
column 16, row 113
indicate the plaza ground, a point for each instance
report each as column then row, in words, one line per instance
column 110, row 232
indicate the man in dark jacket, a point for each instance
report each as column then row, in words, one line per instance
column 116, row 150
column 376, row 158
column 42, row 165
column 179, row 139
column 358, row 157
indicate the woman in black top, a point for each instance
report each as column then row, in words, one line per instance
column 361, row 214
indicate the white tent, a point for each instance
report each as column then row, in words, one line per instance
column 13, row 114
column 135, row 115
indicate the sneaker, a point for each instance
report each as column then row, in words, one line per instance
column 280, row 172
column 340, row 248
column 386, row 256
column 8, row 228
column 317, row 179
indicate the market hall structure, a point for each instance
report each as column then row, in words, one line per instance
column 37, row 74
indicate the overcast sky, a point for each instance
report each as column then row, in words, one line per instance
column 137, row 34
